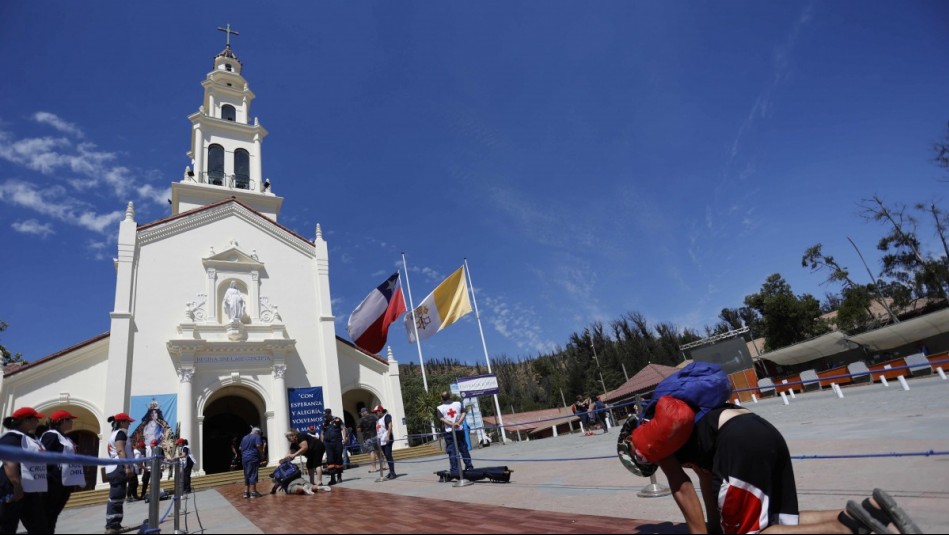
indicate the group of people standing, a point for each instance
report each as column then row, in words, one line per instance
column 592, row 413
column 34, row 493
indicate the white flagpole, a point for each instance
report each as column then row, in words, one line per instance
column 497, row 406
column 418, row 342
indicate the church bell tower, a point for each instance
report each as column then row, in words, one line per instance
column 225, row 144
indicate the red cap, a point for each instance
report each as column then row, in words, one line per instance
column 154, row 442
column 180, row 441
column 122, row 417
column 26, row 412
column 140, row 445
column 59, row 416
column 378, row 408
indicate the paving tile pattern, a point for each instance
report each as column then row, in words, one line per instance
column 406, row 514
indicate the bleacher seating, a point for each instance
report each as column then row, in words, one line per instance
column 809, row 380
column 859, row 371
column 918, row 364
column 766, row 386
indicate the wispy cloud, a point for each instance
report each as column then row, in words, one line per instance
column 57, row 123
column 781, row 66
column 32, row 226
column 67, row 155
column 519, row 324
column 54, row 203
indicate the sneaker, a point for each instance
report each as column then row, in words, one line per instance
column 391, row 476
column 332, row 481
column 246, row 494
column 255, row 494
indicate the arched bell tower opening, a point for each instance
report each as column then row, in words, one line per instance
column 228, row 416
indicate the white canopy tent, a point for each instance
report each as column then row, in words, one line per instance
column 895, row 335
column 823, row 346
column 906, row 332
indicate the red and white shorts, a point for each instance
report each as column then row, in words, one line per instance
column 757, row 486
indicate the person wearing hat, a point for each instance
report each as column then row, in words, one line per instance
column 333, row 440
column 385, row 436
column 187, row 463
column 119, row 447
column 23, row 484
column 745, row 473
column 61, row 479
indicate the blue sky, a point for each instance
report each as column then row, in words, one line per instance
column 589, row 159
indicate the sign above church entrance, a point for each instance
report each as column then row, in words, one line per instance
column 234, row 359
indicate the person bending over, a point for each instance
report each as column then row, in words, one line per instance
column 744, row 469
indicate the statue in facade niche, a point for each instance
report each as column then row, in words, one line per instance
column 233, row 303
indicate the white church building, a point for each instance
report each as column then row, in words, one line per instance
column 221, row 365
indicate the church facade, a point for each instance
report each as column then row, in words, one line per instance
column 222, row 316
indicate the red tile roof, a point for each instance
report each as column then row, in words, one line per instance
column 645, row 380
column 533, row 421
column 11, row 369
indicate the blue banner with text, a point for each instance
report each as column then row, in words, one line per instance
column 306, row 408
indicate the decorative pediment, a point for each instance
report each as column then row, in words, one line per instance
column 233, row 260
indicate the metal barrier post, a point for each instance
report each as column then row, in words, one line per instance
column 177, row 496
column 653, row 489
column 462, row 482
column 154, row 493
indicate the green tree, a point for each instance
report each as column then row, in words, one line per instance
column 941, row 152
column 785, row 318
column 903, row 258
column 854, row 312
column 8, row 358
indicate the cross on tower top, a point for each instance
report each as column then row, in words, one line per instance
column 228, row 31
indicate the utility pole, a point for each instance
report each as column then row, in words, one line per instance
column 603, row 384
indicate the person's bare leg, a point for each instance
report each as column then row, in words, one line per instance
column 812, row 522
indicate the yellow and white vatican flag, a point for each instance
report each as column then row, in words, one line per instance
column 441, row 308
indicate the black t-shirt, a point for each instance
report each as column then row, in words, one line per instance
column 700, row 448
column 314, row 446
column 367, row 426
column 333, row 430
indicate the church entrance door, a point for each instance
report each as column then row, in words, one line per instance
column 226, row 420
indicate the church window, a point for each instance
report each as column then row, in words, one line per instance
column 216, row 165
column 228, row 68
column 228, row 113
column 241, row 169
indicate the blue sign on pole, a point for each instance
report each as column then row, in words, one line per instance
column 306, row 408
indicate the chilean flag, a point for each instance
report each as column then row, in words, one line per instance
column 369, row 323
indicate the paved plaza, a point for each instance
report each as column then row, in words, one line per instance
column 575, row 484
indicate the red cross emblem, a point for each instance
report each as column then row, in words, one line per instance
column 452, row 413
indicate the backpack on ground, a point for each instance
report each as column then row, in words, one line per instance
column 286, row 472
